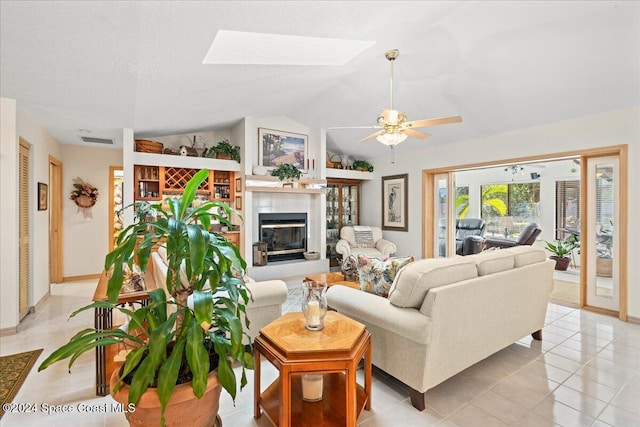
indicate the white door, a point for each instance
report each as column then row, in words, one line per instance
column 603, row 219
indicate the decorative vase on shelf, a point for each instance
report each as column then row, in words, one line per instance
column 314, row 304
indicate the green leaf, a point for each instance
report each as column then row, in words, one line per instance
column 203, row 306
column 225, row 374
column 168, row 375
column 132, row 360
column 196, row 249
column 190, row 191
column 142, row 379
column 198, row 359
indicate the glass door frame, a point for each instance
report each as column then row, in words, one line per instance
column 588, row 247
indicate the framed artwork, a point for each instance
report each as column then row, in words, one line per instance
column 395, row 202
column 43, row 196
column 238, row 205
column 278, row 147
column 238, row 185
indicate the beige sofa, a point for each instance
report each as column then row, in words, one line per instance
column 266, row 302
column 445, row 314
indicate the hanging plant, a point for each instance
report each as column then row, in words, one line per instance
column 84, row 196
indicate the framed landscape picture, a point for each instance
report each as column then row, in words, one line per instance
column 278, row 147
column 395, row 202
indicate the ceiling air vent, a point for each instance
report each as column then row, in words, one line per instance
column 97, row 140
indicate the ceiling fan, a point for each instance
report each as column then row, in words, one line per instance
column 394, row 125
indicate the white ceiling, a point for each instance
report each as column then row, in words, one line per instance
column 105, row 66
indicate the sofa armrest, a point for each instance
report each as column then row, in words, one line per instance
column 343, row 248
column 268, row 292
column 386, row 247
column 378, row 311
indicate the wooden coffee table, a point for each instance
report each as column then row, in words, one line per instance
column 335, row 351
column 334, row 278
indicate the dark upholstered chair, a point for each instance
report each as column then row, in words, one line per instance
column 469, row 232
column 527, row 236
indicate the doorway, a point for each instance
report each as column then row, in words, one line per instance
column 116, row 179
column 55, row 221
column 591, row 248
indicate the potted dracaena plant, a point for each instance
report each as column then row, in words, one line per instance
column 560, row 250
column 196, row 334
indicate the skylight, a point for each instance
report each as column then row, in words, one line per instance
column 239, row 47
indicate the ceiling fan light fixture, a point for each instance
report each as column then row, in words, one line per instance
column 391, row 139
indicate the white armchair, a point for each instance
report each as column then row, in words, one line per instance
column 347, row 244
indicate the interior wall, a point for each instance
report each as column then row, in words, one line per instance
column 86, row 240
column 8, row 215
column 43, row 145
column 16, row 123
column 607, row 129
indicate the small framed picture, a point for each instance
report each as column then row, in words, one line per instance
column 395, row 202
column 278, row 147
column 43, row 196
column 238, row 205
column 238, row 185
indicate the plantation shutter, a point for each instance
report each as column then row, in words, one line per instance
column 23, row 231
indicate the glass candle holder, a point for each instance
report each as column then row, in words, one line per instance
column 314, row 304
column 312, row 387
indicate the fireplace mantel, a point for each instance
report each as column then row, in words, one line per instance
column 271, row 184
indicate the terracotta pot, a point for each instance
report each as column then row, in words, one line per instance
column 223, row 156
column 561, row 263
column 183, row 409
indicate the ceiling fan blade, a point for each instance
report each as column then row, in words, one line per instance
column 372, row 136
column 355, row 127
column 416, row 134
column 433, row 122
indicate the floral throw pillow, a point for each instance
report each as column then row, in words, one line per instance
column 376, row 275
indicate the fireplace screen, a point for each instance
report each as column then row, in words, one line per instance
column 285, row 235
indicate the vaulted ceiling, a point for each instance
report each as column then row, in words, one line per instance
column 104, row 66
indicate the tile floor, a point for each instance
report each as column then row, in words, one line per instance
column 586, row 372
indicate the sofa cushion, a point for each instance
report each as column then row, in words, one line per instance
column 376, row 276
column 525, row 255
column 493, row 262
column 413, row 281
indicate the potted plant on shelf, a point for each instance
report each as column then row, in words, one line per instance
column 224, row 150
column 191, row 339
column 287, row 172
column 362, row 165
column 561, row 249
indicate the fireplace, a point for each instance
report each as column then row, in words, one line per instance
column 285, row 235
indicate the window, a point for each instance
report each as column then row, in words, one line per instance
column 507, row 208
column 567, row 207
column 462, row 201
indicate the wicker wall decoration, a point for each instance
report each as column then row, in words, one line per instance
column 84, row 195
